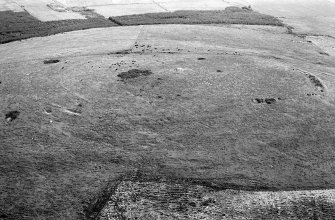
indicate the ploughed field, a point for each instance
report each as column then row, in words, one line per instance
column 226, row 107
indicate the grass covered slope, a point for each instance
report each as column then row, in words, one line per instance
column 225, row 112
column 21, row 25
column 231, row 15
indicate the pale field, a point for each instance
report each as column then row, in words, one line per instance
column 38, row 9
column 118, row 8
column 9, row 5
column 306, row 16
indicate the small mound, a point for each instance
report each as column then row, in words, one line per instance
column 134, row 73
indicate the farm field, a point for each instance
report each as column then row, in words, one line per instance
column 305, row 16
column 21, row 25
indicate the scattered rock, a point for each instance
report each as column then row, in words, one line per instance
column 219, row 71
column 51, row 61
column 270, row 101
column 12, row 115
column 120, row 52
column 317, row 83
column 48, row 110
column 265, row 100
column 257, row 100
column 134, row 73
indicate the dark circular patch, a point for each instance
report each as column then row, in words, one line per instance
column 134, row 73
column 48, row 110
column 3, row 216
column 12, row 115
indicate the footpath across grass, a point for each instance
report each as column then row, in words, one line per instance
column 21, row 25
column 231, row 15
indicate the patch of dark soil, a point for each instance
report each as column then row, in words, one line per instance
column 314, row 80
column 120, row 52
column 268, row 101
column 134, row 73
column 324, row 53
column 12, row 115
column 21, row 25
column 258, row 100
column 51, row 61
column 317, row 83
column 3, row 216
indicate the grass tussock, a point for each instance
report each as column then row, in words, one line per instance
column 231, row 15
